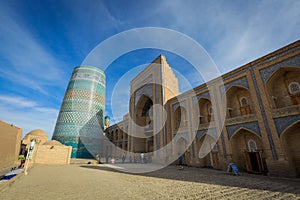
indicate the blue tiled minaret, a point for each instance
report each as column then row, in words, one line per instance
column 80, row 120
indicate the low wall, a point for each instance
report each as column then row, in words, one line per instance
column 52, row 154
column 10, row 141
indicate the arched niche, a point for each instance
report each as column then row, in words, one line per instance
column 207, row 150
column 205, row 111
column 290, row 140
column 143, row 111
column 243, row 154
column 179, row 118
column 238, row 101
column 283, row 87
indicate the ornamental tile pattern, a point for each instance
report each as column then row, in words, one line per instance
column 266, row 73
column 211, row 132
column 252, row 126
column 182, row 104
column 205, row 95
column 80, row 120
column 282, row 123
column 238, row 82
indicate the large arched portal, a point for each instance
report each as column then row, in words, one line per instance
column 291, row 143
column 247, row 151
column 207, row 152
column 144, row 128
column 181, row 150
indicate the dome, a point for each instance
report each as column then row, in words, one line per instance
column 37, row 132
column 39, row 135
column 53, row 143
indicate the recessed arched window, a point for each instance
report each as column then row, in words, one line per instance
column 244, row 101
column 146, row 108
column 294, row 88
column 252, row 145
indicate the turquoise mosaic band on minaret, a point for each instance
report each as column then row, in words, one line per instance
column 80, row 122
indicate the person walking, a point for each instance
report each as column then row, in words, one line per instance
column 180, row 167
column 123, row 158
column 142, row 157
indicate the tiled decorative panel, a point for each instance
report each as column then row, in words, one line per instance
column 252, row 126
column 282, row 123
column 267, row 72
column 205, row 95
column 80, row 121
column 238, row 82
column 211, row 132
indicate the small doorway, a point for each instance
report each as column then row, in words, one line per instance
column 253, row 158
column 254, row 162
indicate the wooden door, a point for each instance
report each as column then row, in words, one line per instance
column 259, row 161
column 248, row 162
column 253, row 165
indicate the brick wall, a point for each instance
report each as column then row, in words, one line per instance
column 10, row 140
column 52, row 155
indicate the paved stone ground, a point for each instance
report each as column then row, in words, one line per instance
column 100, row 182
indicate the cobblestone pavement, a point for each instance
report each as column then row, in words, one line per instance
column 101, row 182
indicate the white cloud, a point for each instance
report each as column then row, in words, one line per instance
column 271, row 26
column 30, row 119
column 27, row 114
column 47, row 110
column 17, row 101
column 234, row 33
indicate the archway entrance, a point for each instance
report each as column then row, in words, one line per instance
column 144, row 130
column 208, row 152
column 247, row 151
column 291, row 141
column 181, row 150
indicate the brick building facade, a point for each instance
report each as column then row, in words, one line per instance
column 250, row 116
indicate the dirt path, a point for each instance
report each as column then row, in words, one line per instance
column 99, row 182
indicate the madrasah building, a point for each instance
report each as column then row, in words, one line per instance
column 261, row 127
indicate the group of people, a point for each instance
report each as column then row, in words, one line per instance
column 137, row 158
column 142, row 158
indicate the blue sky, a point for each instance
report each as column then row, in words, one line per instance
column 42, row 41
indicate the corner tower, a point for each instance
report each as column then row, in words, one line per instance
column 80, row 120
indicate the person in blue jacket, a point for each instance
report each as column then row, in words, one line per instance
column 180, row 161
column 233, row 169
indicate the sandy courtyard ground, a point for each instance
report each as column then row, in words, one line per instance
column 100, row 182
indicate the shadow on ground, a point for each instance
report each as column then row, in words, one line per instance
column 216, row 177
